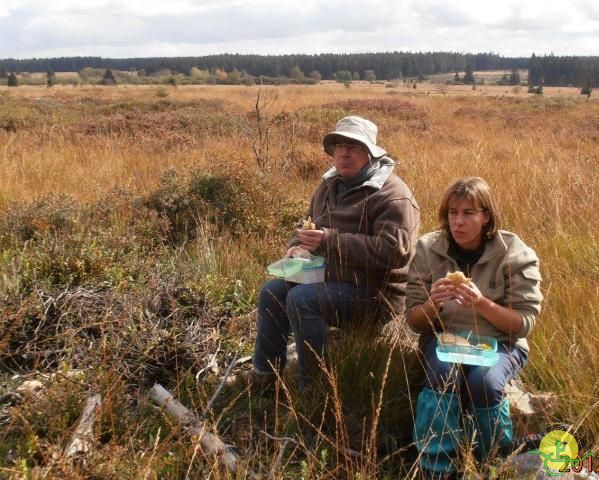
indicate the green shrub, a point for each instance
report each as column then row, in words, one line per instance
column 174, row 204
column 241, row 205
column 161, row 92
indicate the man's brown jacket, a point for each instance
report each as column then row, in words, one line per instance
column 370, row 232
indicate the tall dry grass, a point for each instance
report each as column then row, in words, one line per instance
column 142, row 269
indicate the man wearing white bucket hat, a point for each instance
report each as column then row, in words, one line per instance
column 365, row 225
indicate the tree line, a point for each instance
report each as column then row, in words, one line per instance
column 563, row 71
column 548, row 70
column 391, row 65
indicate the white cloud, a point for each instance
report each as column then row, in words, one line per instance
column 197, row 27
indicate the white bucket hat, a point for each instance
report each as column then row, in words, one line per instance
column 354, row 128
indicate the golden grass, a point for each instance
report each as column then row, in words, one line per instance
column 539, row 154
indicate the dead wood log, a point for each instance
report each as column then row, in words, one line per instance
column 83, row 437
column 211, row 445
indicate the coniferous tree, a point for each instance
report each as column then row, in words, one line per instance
column 550, row 69
column 468, row 75
column 12, row 80
column 50, row 78
column 587, row 89
column 515, row 77
column 108, row 78
column 535, row 70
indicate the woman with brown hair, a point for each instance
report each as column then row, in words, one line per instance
column 499, row 297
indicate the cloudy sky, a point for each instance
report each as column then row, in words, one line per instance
column 147, row 28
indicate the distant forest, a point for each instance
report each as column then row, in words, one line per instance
column 548, row 70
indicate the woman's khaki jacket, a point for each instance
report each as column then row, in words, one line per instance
column 507, row 273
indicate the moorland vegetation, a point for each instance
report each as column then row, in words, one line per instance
column 135, row 227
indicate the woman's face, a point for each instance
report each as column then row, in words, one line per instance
column 466, row 222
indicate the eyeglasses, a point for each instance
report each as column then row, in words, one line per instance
column 352, row 147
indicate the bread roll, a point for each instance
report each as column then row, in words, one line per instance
column 457, row 278
column 308, row 224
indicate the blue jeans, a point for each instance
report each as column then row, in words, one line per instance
column 305, row 309
column 482, row 387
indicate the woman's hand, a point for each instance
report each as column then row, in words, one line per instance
column 505, row 319
column 468, row 294
column 422, row 318
column 310, row 239
column 442, row 290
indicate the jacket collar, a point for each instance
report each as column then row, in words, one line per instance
column 385, row 168
column 493, row 247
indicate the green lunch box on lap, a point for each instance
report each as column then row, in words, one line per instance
column 481, row 351
column 299, row 270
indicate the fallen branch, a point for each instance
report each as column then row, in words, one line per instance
column 82, row 439
column 211, row 444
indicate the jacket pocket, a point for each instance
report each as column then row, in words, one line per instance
column 531, row 274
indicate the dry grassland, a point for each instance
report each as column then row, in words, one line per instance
column 134, row 274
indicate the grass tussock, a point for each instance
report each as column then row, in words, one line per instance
column 134, row 232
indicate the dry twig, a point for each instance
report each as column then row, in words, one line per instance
column 212, row 445
column 82, row 439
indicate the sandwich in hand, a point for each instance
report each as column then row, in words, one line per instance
column 457, row 278
column 308, row 224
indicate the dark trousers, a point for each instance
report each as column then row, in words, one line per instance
column 307, row 310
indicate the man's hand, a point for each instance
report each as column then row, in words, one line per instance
column 310, row 239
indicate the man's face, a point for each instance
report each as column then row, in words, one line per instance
column 350, row 157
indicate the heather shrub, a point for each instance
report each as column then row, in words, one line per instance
column 241, row 205
column 47, row 216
